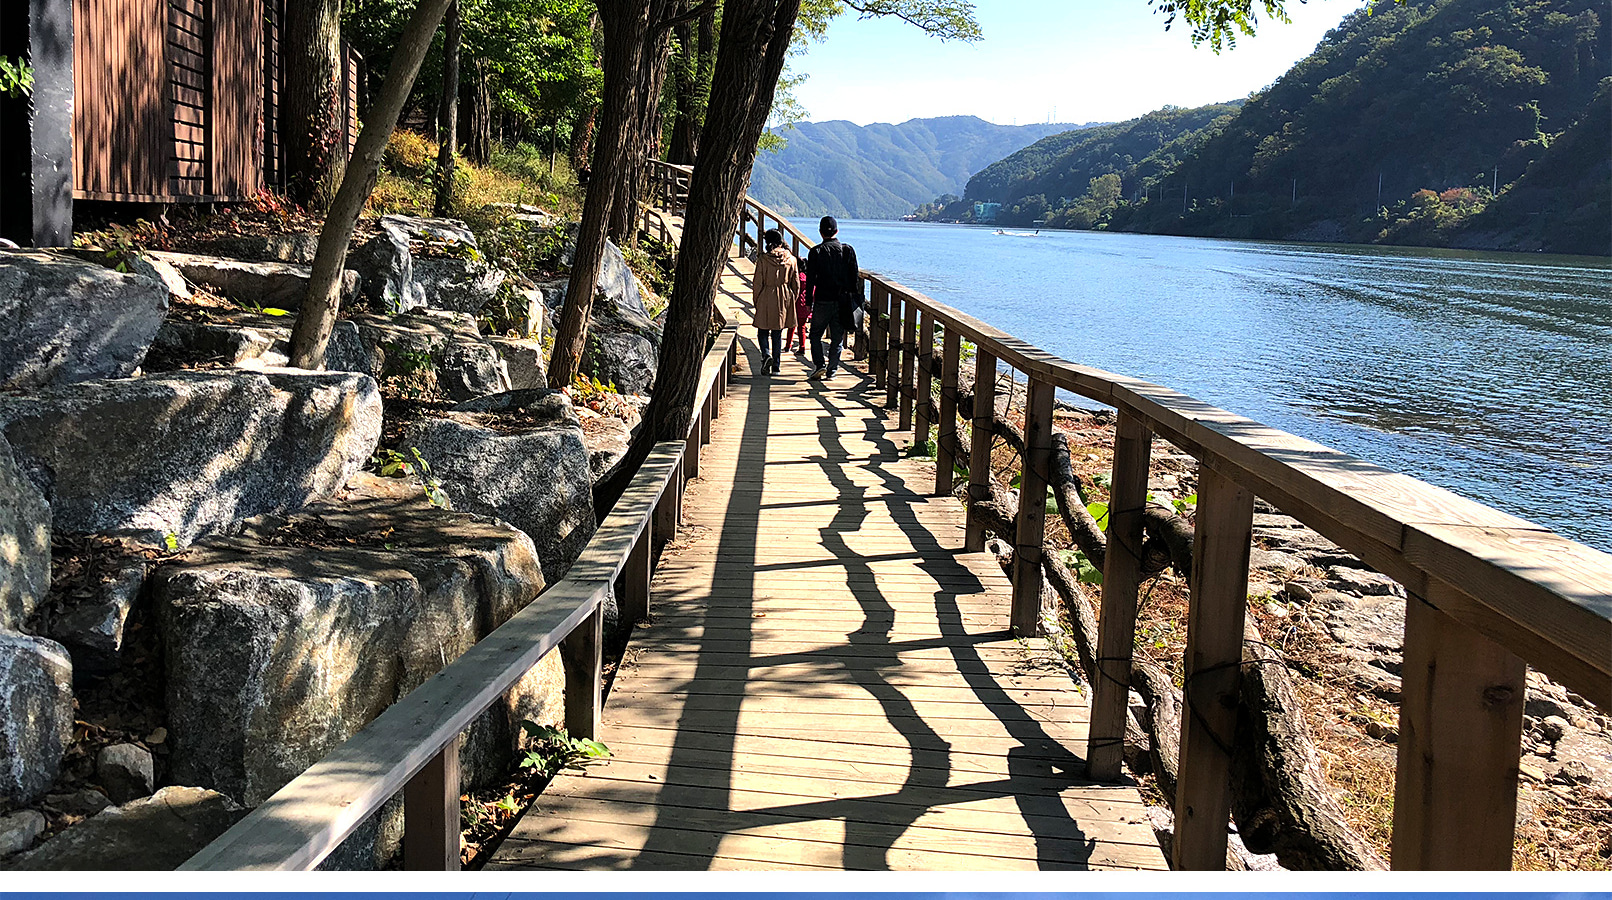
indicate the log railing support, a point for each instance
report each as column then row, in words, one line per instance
column 1122, row 570
column 980, row 438
column 946, row 432
column 1031, row 527
column 892, row 359
column 691, row 450
column 878, row 333
column 909, row 363
column 668, row 511
column 582, row 655
column 926, row 354
column 635, row 576
column 706, row 416
column 1218, row 605
column 431, row 814
column 1460, row 723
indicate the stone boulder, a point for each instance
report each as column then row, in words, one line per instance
column 189, row 453
column 285, row 640
column 464, row 365
column 24, row 543
column 36, row 714
column 386, row 262
column 91, row 622
column 63, row 320
column 458, row 285
column 519, row 457
column 19, row 830
column 524, row 360
column 157, row 833
column 623, row 339
column 248, row 339
column 270, row 284
column 127, row 771
column 607, row 439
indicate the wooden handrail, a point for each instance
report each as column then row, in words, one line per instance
column 413, row 745
column 1488, row 591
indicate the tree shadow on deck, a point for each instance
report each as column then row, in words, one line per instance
column 704, row 756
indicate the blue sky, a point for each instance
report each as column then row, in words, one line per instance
column 1083, row 60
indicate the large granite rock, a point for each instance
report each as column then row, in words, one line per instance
column 24, row 543
column 386, row 263
column 458, row 285
column 270, row 284
column 463, row 365
column 284, row 641
column 157, row 833
column 519, row 457
column 36, row 714
column 623, row 339
column 91, row 622
column 524, row 360
column 63, row 320
column 247, row 339
column 189, row 453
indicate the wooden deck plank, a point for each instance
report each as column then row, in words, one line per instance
column 826, row 679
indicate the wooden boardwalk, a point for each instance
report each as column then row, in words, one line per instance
column 827, row 681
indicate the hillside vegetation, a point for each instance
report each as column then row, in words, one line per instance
column 1402, row 126
column 881, row 171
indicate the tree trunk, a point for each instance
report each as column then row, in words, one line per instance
column 479, row 135
column 448, row 112
column 626, row 27
column 651, row 81
column 315, row 134
column 755, row 41
column 582, row 138
column 685, row 70
column 317, row 318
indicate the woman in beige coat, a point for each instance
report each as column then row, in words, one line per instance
column 774, row 289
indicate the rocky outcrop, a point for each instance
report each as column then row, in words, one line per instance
column 524, row 361
column 63, row 320
column 247, row 339
column 36, row 714
column 91, row 622
column 189, row 453
column 458, row 285
column 623, row 339
column 127, row 771
column 24, row 543
column 19, row 830
column 269, row 284
column 519, row 457
column 157, row 833
column 444, row 343
column 607, row 439
column 287, row 639
column 387, row 263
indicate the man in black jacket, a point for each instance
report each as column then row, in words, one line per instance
column 834, row 282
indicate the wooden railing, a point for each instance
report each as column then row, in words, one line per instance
column 1489, row 593
column 414, row 745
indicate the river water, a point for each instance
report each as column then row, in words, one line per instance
column 1484, row 373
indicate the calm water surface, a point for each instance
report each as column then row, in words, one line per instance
column 1488, row 374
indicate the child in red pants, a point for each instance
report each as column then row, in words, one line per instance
column 803, row 315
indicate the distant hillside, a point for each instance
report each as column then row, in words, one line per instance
column 882, row 171
column 1397, row 127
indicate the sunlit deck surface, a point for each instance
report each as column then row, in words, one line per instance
column 827, row 681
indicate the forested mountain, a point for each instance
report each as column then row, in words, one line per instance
column 1400, row 127
column 881, row 171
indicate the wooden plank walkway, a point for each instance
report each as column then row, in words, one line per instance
column 827, row 681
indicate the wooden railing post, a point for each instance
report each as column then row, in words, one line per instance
column 707, row 415
column 879, row 334
column 635, row 576
column 1217, row 607
column 946, row 433
column 1460, row 723
column 980, row 440
column 1032, row 523
column 691, row 450
column 581, row 653
column 909, row 362
column 1122, row 570
column 892, row 359
column 667, row 509
column 923, row 411
column 431, row 814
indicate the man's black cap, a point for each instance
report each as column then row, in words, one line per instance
column 828, row 227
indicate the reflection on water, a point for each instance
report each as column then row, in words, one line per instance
column 1488, row 374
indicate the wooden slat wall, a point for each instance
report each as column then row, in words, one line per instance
column 191, row 89
column 120, row 138
column 237, row 91
column 352, row 66
column 273, row 165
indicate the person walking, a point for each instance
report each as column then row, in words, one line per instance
column 773, row 291
column 834, row 282
column 796, row 339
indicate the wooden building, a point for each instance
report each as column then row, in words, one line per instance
column 170, row 101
